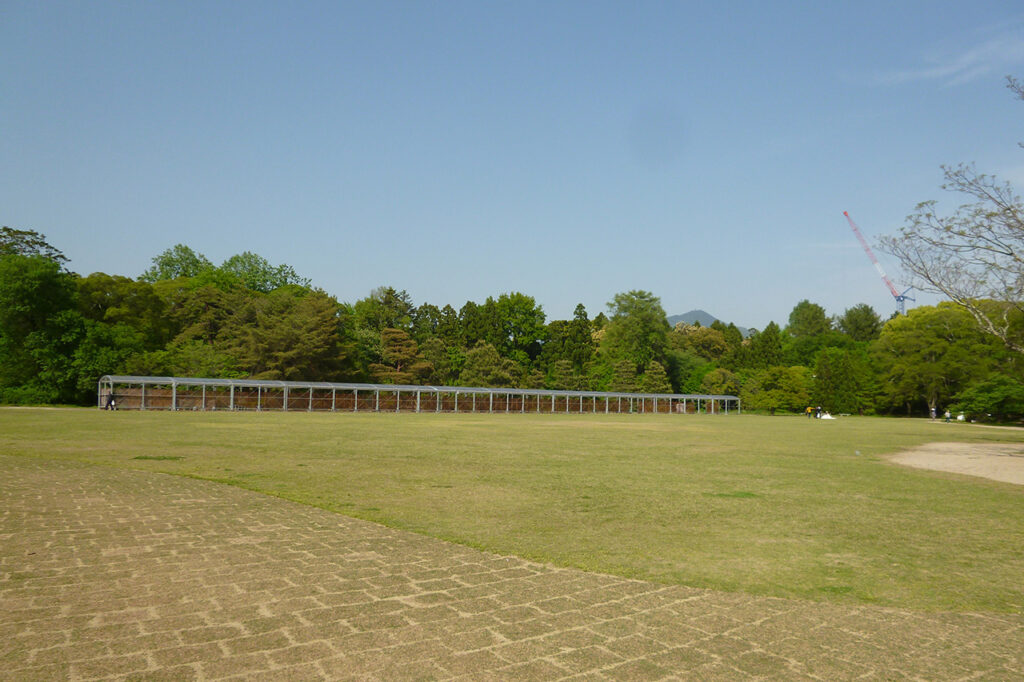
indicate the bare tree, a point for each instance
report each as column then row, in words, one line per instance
column 975, row 256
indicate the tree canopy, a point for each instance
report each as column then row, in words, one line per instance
column 248, row 318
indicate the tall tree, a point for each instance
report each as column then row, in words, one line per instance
column 39, row 328
column 520, row 327
column 837, row 381
column 860, row 323
column 579, row 339
column 929, row 355
column 384, row 308
column 119, row 300
column 28, row 243
column 766, row 347
column 256, row 273
column 426, row 319
column 177, row 261
column 287, row 334
column 637, row 330
column 402, row 362
column 808, row 320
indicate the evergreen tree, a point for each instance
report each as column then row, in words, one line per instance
column 485, row 367
column 655, row 379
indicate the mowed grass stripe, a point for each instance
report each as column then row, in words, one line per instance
column 780, row 506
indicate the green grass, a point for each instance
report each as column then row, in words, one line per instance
column 779, row 506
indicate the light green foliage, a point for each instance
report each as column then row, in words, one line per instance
column 445, row 362
column 186, row 358
column 705, row 342
column 720, row 382
column 730, row 332
column 624, row 377
column 254, row 272
column 176, row 262
column 655, row 379
column 637, row 330
column 777, row 388
column 520, row 323
column 486, row 368
column 561, row 376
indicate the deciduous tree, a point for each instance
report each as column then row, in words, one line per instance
column 637, row 330
column 177, row 261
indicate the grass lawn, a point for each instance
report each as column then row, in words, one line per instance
column 781, row 506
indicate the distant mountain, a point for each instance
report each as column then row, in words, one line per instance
column 703, row 317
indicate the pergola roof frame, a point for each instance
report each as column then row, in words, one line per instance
column 107, row 383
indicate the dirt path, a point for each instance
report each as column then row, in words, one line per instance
column 1001, row 462
column 109, row 573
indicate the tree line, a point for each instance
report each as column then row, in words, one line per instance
column 186, row 316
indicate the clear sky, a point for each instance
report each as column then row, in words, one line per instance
column 458, row 150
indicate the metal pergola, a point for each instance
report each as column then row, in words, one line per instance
column 191, row 393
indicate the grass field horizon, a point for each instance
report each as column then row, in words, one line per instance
column 780, row 506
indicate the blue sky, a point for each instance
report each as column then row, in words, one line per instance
column 569, row 150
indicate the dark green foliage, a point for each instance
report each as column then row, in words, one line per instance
column 808, row 319
column 837, row 385
column 385, row 308
column 401, row 361
column 28, row 243
column 860, row 323
column 118, row 300
column 39, row 329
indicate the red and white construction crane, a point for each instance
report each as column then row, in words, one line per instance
column 900, row 298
